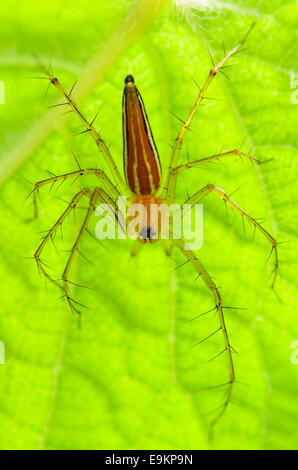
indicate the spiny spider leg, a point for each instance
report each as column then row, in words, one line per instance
column 192, row 164
column 97, row 195
column 87, row 171
column 226, row 199
column 90, row 129
column 73, row 203
column 190, row 255
column 171, row 179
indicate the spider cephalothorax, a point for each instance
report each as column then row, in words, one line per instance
column 142, row 187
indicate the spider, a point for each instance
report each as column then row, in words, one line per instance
column 142, row 185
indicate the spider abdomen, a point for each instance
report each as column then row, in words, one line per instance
column 141, row 161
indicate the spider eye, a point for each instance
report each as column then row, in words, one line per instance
column 147, row 233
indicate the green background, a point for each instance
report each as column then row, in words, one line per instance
column 130, row 378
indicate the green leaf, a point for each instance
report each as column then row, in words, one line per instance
column 129, row 378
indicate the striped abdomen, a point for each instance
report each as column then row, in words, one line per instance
column 141, row 161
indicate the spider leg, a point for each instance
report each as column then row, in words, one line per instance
column 171, row 180
column 136, row 248
column 90, row 129
column 167, row 247
column 75, row 200
column 101, row 195
column 195, row 163
column 191, row 257
column 227, row 200
column 97, row 195
column 87, row 171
